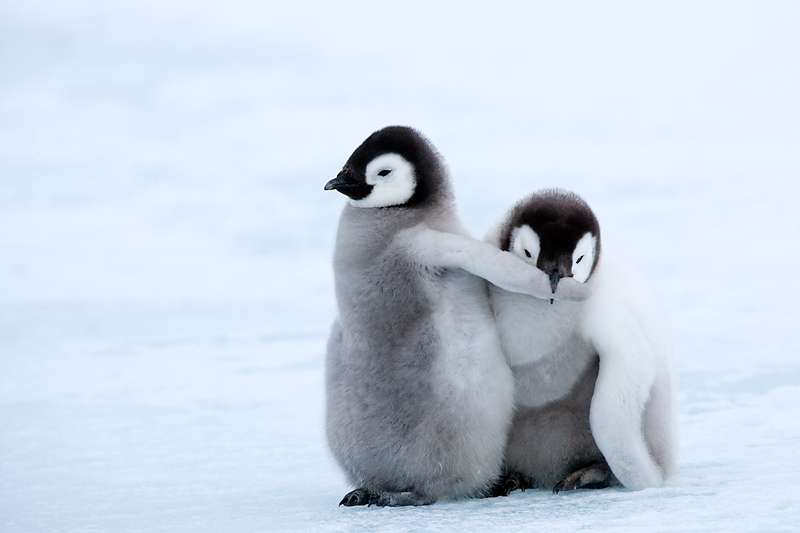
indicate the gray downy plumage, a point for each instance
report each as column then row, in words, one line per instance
column 593, row 381
column 419, row 396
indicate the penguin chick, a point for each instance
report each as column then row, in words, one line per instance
column 593, row 379
column 419, row 396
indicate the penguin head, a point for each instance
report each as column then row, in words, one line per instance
column 556, row 231
column 395, row 166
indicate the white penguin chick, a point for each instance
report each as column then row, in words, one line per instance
column 419, row 395
column 593, row 379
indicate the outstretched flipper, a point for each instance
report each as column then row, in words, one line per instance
column 504, row 269
column 596, row 476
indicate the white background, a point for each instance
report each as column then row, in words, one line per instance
column 165, row 242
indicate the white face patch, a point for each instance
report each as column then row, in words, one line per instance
column 392, row 179
column 525, row 243
column 583, row 257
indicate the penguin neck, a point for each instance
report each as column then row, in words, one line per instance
column 395, row 218
column 372, row 229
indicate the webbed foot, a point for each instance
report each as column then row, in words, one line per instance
column 356, row 497
column 596, row 476
column 383, row 499
column 398, row 499
column 508, row 483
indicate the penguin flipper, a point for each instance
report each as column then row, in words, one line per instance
column 434, row 248
column 627, row 329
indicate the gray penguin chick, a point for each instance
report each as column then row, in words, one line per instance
column 593, row 381
column 419, row 396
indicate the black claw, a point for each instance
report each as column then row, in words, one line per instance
column 596, row 476
column 567, row 484
column 355, row 497
column 510, row 485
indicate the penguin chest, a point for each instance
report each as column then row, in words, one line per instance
column 532, row 329
column 542, row 344
column 553, row 378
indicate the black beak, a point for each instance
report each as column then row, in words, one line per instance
column 343, row 180
column 555, row 277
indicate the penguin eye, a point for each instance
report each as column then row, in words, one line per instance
column 579, row 260
column 527, row 253
column 384, row 172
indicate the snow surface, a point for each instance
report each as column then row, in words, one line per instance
column 165, row 242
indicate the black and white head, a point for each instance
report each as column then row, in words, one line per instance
column 395, row 166
column 555, row 230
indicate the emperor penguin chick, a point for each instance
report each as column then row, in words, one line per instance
column 419, row 397
column 593, row 381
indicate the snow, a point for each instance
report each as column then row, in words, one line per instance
column 165, row 242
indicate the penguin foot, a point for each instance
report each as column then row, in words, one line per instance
column 596, row 476
column 357, row 497
column 399, row 499
column 508, row 483
column 383, row 499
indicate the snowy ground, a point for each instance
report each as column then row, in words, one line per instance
column 165, row 242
